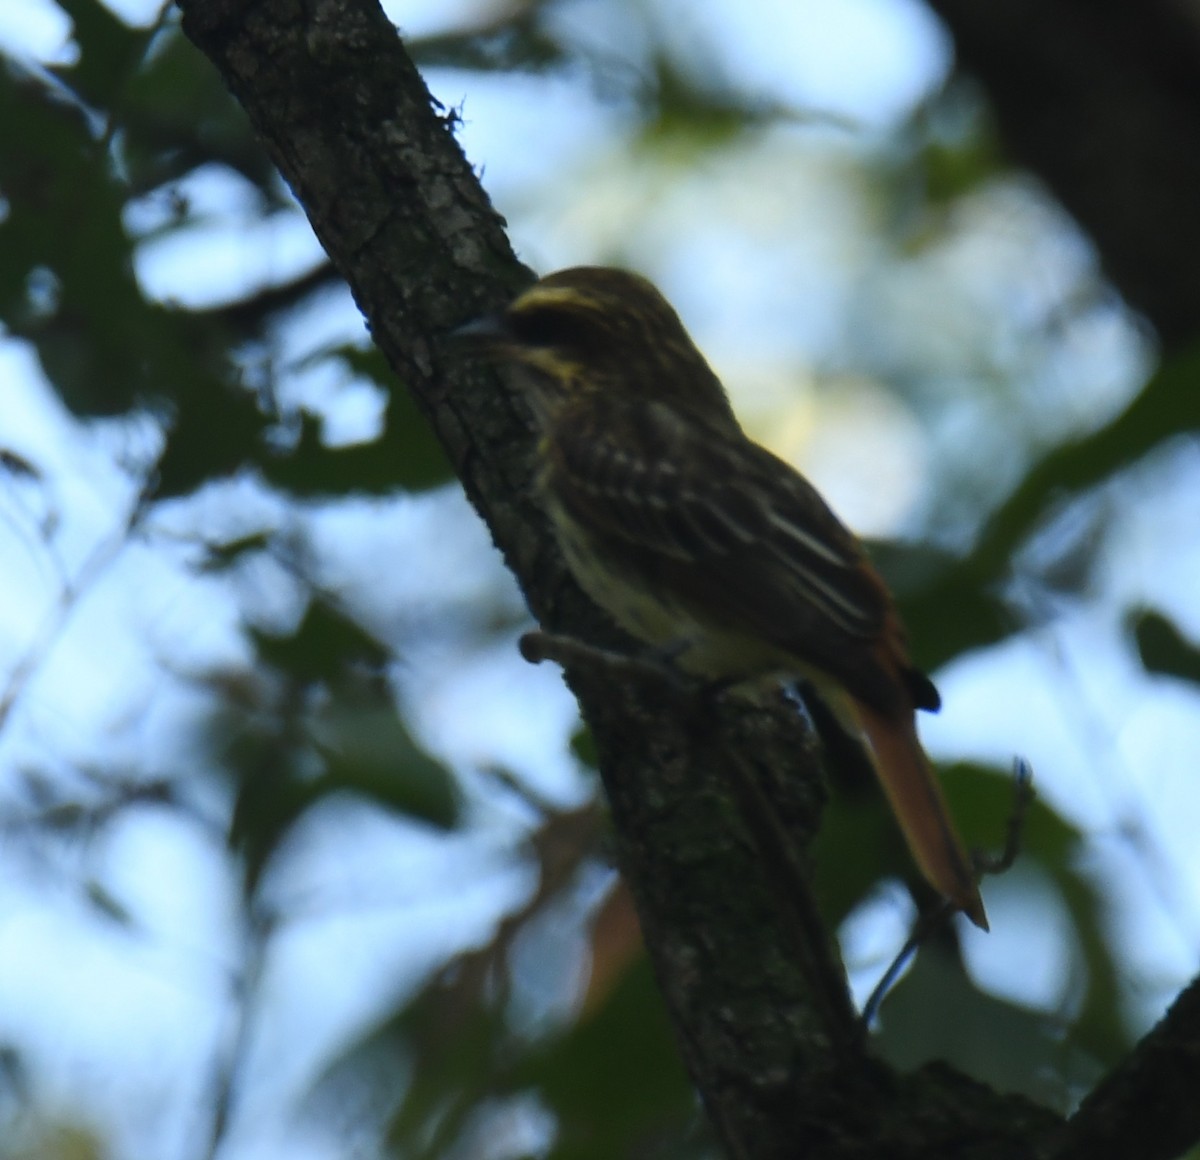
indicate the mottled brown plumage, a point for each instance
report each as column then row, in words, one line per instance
column 696, row 539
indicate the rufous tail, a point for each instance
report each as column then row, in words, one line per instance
column 919, row 806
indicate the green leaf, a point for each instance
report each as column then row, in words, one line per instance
column 109, row 51
column 1163, row 648
column 322, row 647
column 273, row 790
column 956, row 608
column 215, row 429
column 369, row 751
column 356, row 743
column 583, row 746
column 937, row 1013
column 285, row 764
column 66, row 282
column 456, row 1046
column 981, row 800
column 408, row 439
column 177, row 116
column 219, row 557
column 406, row 455
column 859, row 844
column 615, row 1078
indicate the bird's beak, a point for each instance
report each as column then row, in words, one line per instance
column 489, row 331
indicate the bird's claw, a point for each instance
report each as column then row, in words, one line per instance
column 655, row 668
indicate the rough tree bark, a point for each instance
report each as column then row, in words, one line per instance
column 753, row 984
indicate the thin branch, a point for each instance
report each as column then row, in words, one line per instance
column 776, row 846
column 48, row 632
column 247, row 315
column 933, row 920
column 1147, row 1106
column 1023, row 796
column 231, row 1064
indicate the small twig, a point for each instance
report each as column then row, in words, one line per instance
column 985, row 864
column 101, row 556
column 231, row 1064
column 1023, row 795
column 1135, row 825
column 923, row 929
column 112, row 122
column 538, row 802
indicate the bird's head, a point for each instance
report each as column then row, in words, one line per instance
column 594, row 329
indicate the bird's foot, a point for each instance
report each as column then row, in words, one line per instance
column 653, row 667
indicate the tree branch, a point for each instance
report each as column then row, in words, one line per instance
column 1102, row 101
column 1146, row 1107
column 756, row 995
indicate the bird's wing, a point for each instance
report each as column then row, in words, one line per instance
column 732, row 529
column 743, row 526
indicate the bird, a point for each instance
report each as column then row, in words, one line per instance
column 703, row 545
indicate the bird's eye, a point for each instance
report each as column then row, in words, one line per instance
column 551, row 327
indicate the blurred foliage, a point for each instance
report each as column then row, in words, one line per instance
column 85, row 150
column 957, row 609
column 1163, row 648
column 996, row 1040
column 610, row 1076
column 614, row 1079
column 393, row 460
column 54, row 1141
column 331, row 729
